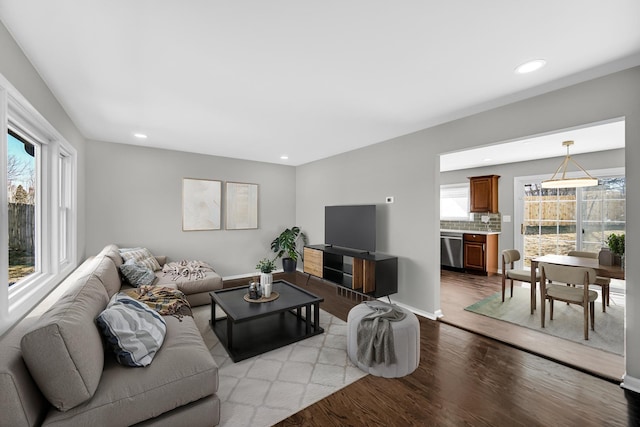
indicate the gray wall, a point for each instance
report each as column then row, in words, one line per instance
column 507, row 172
column 408, row 168
column 16, row 68
column 134, row 198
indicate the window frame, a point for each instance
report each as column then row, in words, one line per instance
column 17, row 114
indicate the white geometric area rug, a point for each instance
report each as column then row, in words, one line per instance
column 268, row 388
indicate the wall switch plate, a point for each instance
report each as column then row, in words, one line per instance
column 389, row 199
column 506, row 218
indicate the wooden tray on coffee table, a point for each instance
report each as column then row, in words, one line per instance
column 274, row 296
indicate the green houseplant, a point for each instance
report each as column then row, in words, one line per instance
column 616, row 245
column 266, row 265
column 286, row 244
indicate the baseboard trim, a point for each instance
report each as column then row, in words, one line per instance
column 428, row 315
column 630, row 383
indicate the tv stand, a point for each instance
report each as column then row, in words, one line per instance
column 369, row 273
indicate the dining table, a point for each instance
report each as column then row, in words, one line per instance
column 611, row 271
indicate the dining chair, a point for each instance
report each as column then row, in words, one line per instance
column 559, row 274
column 509, row 257
column 603, row 282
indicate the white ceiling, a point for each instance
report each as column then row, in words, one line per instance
column 258, row 79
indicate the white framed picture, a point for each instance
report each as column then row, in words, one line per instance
column 201, row 209
column 241, row 206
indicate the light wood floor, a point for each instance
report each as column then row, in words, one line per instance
column 459, row 290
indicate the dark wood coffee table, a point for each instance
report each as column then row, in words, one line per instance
column 255, row 328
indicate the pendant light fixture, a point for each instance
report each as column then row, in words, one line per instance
column 563, row 181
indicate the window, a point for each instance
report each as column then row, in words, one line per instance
column 454, row 202
column 38, row 244
column 22, row 185
column 556, row 221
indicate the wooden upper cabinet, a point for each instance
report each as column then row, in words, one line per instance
column 484, row 193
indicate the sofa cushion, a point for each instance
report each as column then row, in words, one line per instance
column 134, row 332
column 140, row 256
column 107, row 272
column 137, row 274
column 22, row 404
column 63, row 350
column 113, row 253
column 183, row 371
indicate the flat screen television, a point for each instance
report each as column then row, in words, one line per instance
column 352, row 227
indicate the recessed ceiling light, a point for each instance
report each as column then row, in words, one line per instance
column 284, row 157
column 140, row 135
column 531, row 66
column 487, row 159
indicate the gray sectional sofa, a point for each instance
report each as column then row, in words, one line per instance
column 56, row 371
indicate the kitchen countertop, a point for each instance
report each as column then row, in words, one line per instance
column 470, row 231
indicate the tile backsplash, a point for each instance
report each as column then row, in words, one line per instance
column 494, row 224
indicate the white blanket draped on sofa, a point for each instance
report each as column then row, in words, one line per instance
column 193, row 270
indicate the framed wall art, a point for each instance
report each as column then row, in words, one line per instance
column 241, row 206
column 201, row 200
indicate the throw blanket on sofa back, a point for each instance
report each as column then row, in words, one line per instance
column 190, row 270
column 165, row 301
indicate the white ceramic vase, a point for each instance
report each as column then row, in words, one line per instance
column 265, row 278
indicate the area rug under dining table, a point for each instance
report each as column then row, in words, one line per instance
column 567, row 320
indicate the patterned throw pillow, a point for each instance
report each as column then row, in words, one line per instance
column 137, row 274
column 134, row 332
column 140, row 256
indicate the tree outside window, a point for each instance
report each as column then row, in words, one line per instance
column 21, row 195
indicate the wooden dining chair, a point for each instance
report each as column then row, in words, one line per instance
column 509, row 257
column 562, row 275
column 603, row 282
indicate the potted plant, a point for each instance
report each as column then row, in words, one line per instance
column 266, row 267
column 287, row 244
column 616, row 245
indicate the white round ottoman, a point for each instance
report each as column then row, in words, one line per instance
column 406, row 343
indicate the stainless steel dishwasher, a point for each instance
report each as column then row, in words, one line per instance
column 451, row 249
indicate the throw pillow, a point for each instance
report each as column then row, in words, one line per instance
column 140, row 256
column 137, row 274
column 133, row 331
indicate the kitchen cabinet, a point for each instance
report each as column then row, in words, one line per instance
column 484, row 193
column 481, row 253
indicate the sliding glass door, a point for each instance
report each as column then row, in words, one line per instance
column 556, row 221
column 602, row 212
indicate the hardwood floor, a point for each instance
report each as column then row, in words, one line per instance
column 459, row 290
column 467, row 379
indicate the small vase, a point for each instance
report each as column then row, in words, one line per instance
column 266, row 290
column 264, row 279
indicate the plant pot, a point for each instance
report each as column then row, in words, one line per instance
column 617, row 259
column 289, row 265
